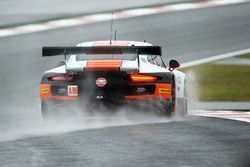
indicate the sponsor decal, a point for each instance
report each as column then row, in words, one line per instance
column 62, row 91
column 99, row 97
column 140, row 89
column 164, row 90
column 101, row 82
column 178, row 79
column 44, row 90
column 72, row 90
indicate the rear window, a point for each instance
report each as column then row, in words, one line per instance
column 81, row 57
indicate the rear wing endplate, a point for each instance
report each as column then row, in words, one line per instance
column 139, row 50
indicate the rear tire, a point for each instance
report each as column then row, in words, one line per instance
column 168, row 111
column 167, row 108
column 44, row 110
column 59, row 109
column 48, row 110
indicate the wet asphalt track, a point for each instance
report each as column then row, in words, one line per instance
column 15, row 12
column 196, row 141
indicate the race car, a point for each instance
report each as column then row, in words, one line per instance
column 112, row 72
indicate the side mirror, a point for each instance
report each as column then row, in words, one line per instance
column 173, row 64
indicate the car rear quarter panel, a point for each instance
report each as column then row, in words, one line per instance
column 180, row 84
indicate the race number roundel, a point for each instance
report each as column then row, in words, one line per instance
column 101, row 82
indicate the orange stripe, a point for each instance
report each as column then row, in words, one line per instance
column 162, row 91
column 103, row 65
column 113, row 43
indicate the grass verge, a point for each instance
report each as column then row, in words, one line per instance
column 246, row 56
column 215, row 82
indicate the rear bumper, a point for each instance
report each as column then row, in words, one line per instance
column 134, row 92
column 74, row 100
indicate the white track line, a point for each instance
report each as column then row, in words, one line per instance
column 214, row 58
column 76, row 21
column 232, row 115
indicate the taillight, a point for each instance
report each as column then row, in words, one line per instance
column 62, row 78
column 142, row 78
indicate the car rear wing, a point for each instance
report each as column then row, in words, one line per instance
column 139, row 50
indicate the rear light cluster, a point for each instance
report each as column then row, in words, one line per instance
column 62, row 78
column 142, row 78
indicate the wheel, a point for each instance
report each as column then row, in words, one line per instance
column 166, row 108
column 49, row 111
column 59, row 110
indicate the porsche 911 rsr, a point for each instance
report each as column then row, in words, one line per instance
column 116, row 72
